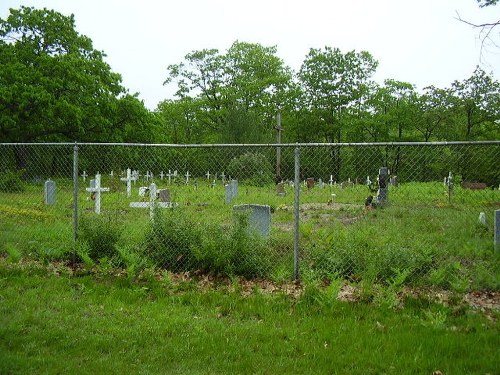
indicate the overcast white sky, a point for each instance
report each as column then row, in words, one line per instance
column 417, row 41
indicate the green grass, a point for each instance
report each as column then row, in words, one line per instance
column 439, row 242
column 106, row 324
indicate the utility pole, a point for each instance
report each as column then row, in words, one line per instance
column 279, row 129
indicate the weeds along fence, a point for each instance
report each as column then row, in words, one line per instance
column 391, row 212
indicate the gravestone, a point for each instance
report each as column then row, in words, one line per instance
column 259, row 217
column 84, row 175
column 50, row 192
column 280, row 189
column 482, row 218
column 474, row 185
column 310, row 182
column 187, row 175
column 394, row 180
column 96, row 191
column 321, row 184
column 231, row 191
column 164, row 195
column 347, row 184
column 383, row 183
column 331, row 180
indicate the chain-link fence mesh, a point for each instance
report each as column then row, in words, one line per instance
column 420, row 213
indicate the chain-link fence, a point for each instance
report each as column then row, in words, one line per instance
column 416, row 212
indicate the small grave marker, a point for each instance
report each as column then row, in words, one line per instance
column 96, row 191
column 231, row 191
column 187, row 177
column 162, row 175
column 84, row 175
column 208, row 175
column 259, row 217
column 331, row 180
column 383, row 191
column 50, row 192
column 280, row 189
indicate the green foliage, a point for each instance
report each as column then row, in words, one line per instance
column 171, row 240
column 101, row 234
column 251, row 168
column 54, row 86
column 10, row 182
column 13, row 253
column 234, row 251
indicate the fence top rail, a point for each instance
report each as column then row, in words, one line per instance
column 226, row 145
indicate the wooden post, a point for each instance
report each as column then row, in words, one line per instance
column 279, row 129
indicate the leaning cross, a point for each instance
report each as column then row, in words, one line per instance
column 96, row 193
column 152, row 202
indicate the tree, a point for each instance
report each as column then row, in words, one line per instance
column 476, row 102
column 239, row 89
column 54, row 86
column 333, row 83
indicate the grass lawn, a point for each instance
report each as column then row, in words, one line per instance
column 108, row 324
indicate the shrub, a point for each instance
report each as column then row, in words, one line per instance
column 101, row 234
column 170, row 241
column 10, row 182
column 236, row 251
column 252, row 168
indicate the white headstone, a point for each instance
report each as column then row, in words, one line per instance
column 50, row 192
column 482, row 218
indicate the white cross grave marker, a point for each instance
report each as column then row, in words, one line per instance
column 148, row 175
column 84, row 175
column 187, row 177
column 96, row 190
column 152, row 202
column 208, row 175
column 223, row 176
column 331, row 180
column 128, row 180
column 162, row 175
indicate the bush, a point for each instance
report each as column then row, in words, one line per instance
column 101, row 234
column 10, row 182
column 170, row 241
column 236, row 251
column 252, row 168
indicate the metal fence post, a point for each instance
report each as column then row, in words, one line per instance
column 497, row 231
column 296, row 215
column 75, row 198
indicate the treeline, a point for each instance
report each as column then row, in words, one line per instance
column 54, row 86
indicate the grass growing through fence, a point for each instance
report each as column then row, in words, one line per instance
column 420, row 234
column 107, row 324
